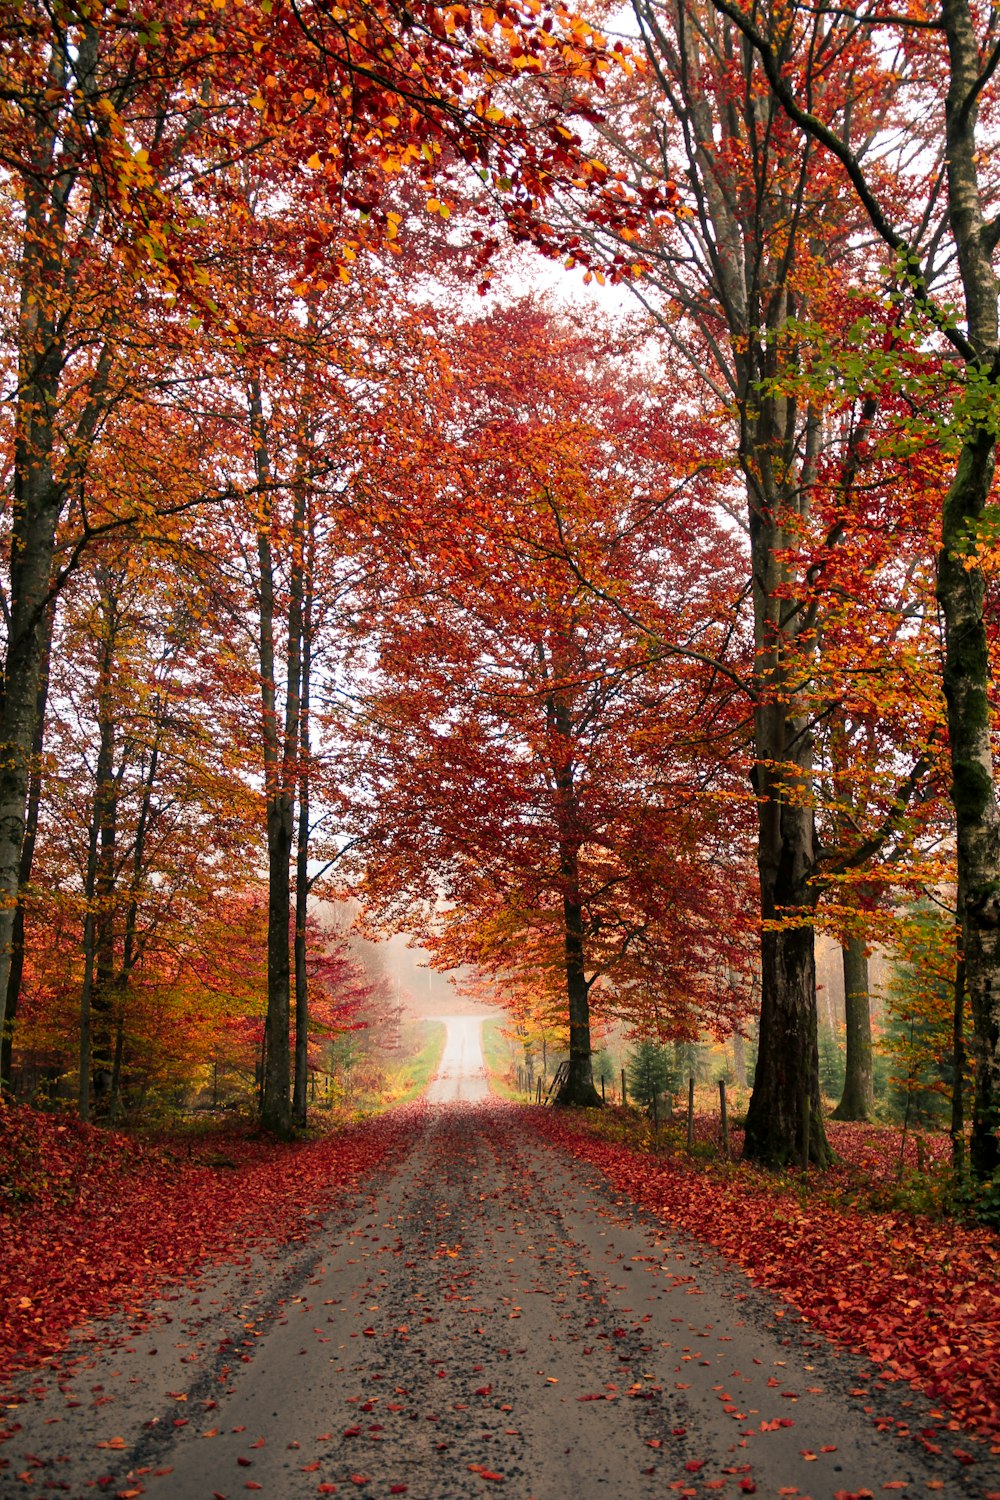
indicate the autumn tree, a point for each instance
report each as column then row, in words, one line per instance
column 517, row 741
column 122, row 136
column 939, row 230
column 766, row 245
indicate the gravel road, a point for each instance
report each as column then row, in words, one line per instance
column 488, row 1317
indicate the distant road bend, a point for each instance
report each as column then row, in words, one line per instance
column 488, row 1317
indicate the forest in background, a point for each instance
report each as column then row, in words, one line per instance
column 610, row 653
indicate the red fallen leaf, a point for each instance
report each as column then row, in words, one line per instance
column 398, row 1489
column 896, row 1484
column 694, row 1464
column 326, row 1489
column 962, row 1456
column 653, row 1443
column 748, row 1487
column 828, row 1448
column 598, row 1397
column 678, row 1431
column 359, row 1478
column 810, row 1457
column 118, row 1443
column 311, row 1468
column 244, row 1463
column 258, row 1444
column 127, row 1494
column 252, row 1484
column 369, row 1333
column 212, row 1432
column 489, row 1474
column 483, row 1390
column 180, row 1421
column 352, row 1431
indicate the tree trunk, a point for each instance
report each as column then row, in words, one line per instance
column 27, row 857
column 87, row 987
column 578, row 1087
column 300, row 1093
column 48, row 273
column 280, row 747
column 858, row 1099
column 958, row 1070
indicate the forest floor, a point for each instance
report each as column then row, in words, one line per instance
column 459, row 1298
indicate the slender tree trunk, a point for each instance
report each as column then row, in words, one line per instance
column 858, row 1099
column 578, row 1087
column 87, row 987
column 958, row 1070
column 102, row 1005
column 300, row 1094
column 27, row 857
column 280, row 757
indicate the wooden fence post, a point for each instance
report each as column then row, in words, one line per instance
column 725, row 1118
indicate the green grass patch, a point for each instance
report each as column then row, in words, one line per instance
column 417, row 1072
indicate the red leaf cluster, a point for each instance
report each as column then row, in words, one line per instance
column 920, row 1299
column 94, row 1221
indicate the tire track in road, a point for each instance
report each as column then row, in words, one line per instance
column 491, row 1316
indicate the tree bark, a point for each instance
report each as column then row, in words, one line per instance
column 578, row 1086
column 33, row 807
column 857, row 1101
column 299, row 1096
column 960, row 591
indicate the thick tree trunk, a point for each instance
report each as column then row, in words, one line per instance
column 578, row 1088
column 960, row 592
column 786, row 1082
column 37, row 504
column 858, row 1099
column 785, row 1113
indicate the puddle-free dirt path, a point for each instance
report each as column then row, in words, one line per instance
column 488, row 1318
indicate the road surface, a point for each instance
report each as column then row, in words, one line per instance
column 461, row 1075
column 489, row 1317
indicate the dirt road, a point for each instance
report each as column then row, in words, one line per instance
column 488, row 1318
